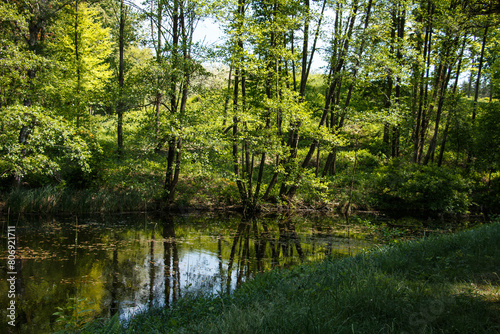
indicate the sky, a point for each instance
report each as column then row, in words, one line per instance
column 209, row 32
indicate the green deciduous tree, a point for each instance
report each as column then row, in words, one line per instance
column 125, row 92
column 172, row 24
column 80, row 46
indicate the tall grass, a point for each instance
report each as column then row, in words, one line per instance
column 446, row 284
column 51, row 200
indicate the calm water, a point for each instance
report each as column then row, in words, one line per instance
column 82, row 268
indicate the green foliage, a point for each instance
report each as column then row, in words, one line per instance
column 75, row 315
column 15, row 59
column 486, row 192
column 136, row 65
column 111, row 326
column 366, row 161
column 417, row 188
column 83, row 178
column 78, row 80
column 51, row 143
column 383, row 84
column 487, row 136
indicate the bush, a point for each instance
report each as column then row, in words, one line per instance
column 50, row 143
column 365, row 160
column 486, row 193
column 74, row 176
column 487, row 137
column 410, row 187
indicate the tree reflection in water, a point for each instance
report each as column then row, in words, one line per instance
column 281, row 248
column 113, row 309
column 170, row 261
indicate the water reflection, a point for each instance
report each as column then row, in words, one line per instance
column 170, row 261
column 91, row 268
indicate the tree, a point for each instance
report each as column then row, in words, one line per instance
column 268, row 108
column 124, row 24
column 15, row 59
column 172, row 28
column 121, row 105
column 80, row 48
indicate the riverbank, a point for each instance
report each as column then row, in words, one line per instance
column 50, row 200
column 444, row 284
column 134, row 182
column 54, row 200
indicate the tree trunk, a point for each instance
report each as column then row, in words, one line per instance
column 446, row 72
column 78, row 74
column 422, row 127
column 237, row 77
column 159, row 59
column 476, row 90
column 173, row 141
column 228, row 96
column 336, row 66
column 305, row 46
column 448, row 119
column 478, row 80
column 121, row 105
column 182, row 34
column 236, row 164
column 400, row 23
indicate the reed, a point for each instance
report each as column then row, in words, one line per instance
column 52, row 200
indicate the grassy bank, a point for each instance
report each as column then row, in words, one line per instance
column 125, row 187
column 53, row 200
column 447, row 284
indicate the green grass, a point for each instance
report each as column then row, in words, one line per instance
column 446, row 284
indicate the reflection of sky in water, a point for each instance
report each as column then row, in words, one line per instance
column 199, row 271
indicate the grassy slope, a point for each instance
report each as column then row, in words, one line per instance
column 448, row 284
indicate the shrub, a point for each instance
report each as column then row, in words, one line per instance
column 50, row 143
column 486, row 193
column 365, row 160
column 411, row 187
column 78, row 178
